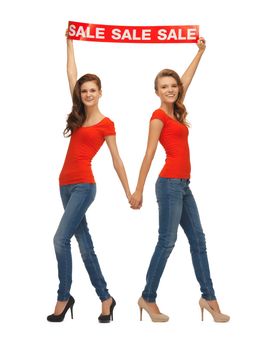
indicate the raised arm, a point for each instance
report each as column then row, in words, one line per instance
column 118, row 164
column 154, row 133
column 190, row 72
column 71, row 66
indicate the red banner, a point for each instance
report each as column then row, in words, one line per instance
column 131, row 34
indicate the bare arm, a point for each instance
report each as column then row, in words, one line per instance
column 155, row 129
column 71, row 66
column 118, row 164
column 190, row 72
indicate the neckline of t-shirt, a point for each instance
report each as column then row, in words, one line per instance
column 90, row 126
column 175, row 120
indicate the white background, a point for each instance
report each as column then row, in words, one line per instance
column 224, row 110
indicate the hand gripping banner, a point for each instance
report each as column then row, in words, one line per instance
column 133, row 34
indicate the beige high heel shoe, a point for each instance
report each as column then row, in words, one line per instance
column 154, row 317
column 217, row 316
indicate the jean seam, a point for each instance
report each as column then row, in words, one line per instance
column 67, row 283
column 203, row 275
column 160, row 256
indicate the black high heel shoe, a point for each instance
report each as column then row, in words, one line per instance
column 60, row 317
column 107, row 318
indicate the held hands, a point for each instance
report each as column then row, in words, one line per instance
column 136, row 200
column 201, row 44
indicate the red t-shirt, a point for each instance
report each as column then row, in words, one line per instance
column 84, row 144
column 174, row 139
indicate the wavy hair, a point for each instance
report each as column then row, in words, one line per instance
column 180, row 111
column 77, row 116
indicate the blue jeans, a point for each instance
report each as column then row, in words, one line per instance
column 177, row 206
column 76, row 200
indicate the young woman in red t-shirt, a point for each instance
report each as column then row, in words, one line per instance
column 88, row 129
column 176, row 203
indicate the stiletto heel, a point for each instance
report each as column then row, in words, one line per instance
column 107, row 318
column 60, row 317
column 202, row 314
column 154, row 317
column 217, row 316
column 141, row 310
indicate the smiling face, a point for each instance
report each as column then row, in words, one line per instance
column 90, row 93
column 167, row 89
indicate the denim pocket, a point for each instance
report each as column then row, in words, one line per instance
column 162, row 188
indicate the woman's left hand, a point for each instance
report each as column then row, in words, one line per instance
column 136, row 200
column 201, row 44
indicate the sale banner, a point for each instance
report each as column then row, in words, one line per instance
column 133, row 34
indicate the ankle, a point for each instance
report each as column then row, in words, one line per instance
column 59, row 308
column 152, row 307
column 106, row 306
column 214, row 305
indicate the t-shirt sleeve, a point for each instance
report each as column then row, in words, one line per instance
column 158, row 114
column 109, row 128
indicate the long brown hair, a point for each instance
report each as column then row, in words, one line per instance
column 179, row 108
column 78, row 116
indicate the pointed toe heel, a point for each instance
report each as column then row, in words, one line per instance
column 217, row 316
column 155, row 317
column 107, row 318
column 60, row 317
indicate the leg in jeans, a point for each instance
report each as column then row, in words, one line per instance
column 76, row 200
column 190, row 223
column 170, row 201
column 90, row 260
